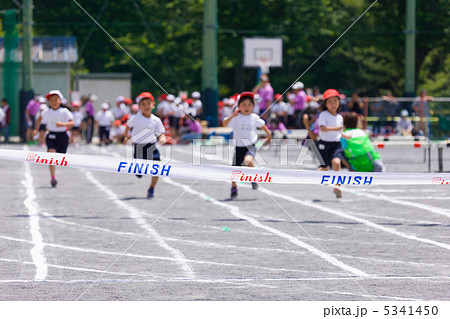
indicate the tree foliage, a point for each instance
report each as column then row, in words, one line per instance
column 168, row 42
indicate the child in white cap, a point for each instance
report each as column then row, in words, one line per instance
column 58, row 120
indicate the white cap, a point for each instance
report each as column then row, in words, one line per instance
column 170, row 97
column 196, row 95
column 42, row 99
column 105, row 105
column 178, row 100
column 55, row 92
column 93, row 97
column 404, row 113
column 120, row 98
column 298, row 85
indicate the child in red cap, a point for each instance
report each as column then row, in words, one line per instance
column 244, row 124
column 146, row 129
column 331, row 125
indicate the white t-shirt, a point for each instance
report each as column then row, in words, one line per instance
column 244, row 128
column 120, row 111
column 329, row 120
column 104, row 118
column 279, row 108
column 2, row 116
column 226, row 112
column 78, row 117
column 355, row 133
column 44, row 107
column 52, row 116
column 116, row 131
column 163, row 107
column 145, row 130
column 197, row 104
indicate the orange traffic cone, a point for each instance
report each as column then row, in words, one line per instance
column 169, row 139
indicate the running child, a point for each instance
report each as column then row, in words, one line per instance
column 58, row 121
column 331, row 124
column 359, row 153
column 78, row 117
column 146, row 129
column 244, row 124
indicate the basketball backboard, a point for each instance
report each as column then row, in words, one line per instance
column 263, row 52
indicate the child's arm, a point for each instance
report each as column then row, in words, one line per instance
column 330, row 128
column 228, row 119
column 125, row 135
column 37, row 124
column 269, row 134
column 68, row 124
column 346, row 136
column 162, row 138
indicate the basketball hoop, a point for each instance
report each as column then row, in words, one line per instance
column 264, row 65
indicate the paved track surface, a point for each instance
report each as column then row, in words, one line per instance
column 97, row 237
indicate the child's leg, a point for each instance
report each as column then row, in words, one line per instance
column 336, row 164
column 248, row 161
column 52, row 167
column 154, row 181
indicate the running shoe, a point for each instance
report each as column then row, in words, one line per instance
column 53, row 182
column 337, row 191
column 234, row 192
column 255, row 185
column 150, row 192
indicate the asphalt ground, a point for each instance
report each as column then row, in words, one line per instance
column 97, row 237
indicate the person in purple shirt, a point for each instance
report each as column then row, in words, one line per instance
column 299, row 103
column 88, row 108
column 30, row 113
column 265, row 91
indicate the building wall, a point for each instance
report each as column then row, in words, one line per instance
column 46, row 77
column 105, row 89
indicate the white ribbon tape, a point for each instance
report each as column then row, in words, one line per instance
column 220, row 172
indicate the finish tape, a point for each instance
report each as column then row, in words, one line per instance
column 220, row 172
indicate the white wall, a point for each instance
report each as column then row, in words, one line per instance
column 105, row 89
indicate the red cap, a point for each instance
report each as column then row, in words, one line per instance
column 246, row 94
column 189, row 101
column 220, row 104
column 76, row 103
column 135, row 107
column 277, row 96
column 163, row 96
column 308, row 98
column 117, row 122
column 145, row 95
column 128, row 101
column 330, row 93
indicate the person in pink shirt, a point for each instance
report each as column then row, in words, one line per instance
column 265, row 91
column 30, row 114
column 299, row 103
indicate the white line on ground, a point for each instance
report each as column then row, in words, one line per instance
column 199, row 262
column 230, row 280
column 225, row 246
column 235, row 211
column 430, row 208
column 393, row 231
column 138, row 217
column 37, row 252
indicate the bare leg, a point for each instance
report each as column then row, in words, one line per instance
column 52, row 167
column 336, row 164
column 154, row 181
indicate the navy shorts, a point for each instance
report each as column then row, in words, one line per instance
column 103, row 133
column 146, row 151
column 330, row 150
column 241, row 152
column 42, row 127
column 58, row 141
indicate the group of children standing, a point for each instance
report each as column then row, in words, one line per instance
column 146, row 130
